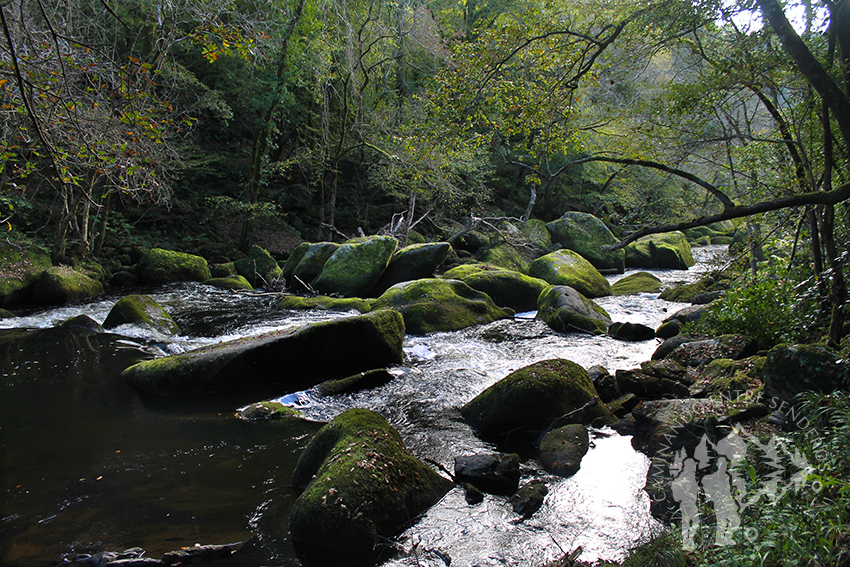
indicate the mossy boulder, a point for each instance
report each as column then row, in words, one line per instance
column 434, row 304
column 566, row 310
column 532, row 397
column 224, row 270
column 311, row 263
column 729, row 378
column 234, row 283
column 261, row 411
column 361, row 485
column 81, row 322
column 21, row 263
column 293, row 260
column 670, row 251
column 699, row 353
column 324, row 302
column 361, row 381
column 293, row 360
column 639, row 282
column 412, row 262
column 535, row 230
column 505, row 256
column 791, row 369
column 258, row 267
column 61, row 284
column 631, row 332
column 506, row 288
column 562, row 449
column 160, row 266
column 141, row 310
column 568, row 268
column 356, row 266
column 586, row 235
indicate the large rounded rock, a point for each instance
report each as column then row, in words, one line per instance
column 361, row 486
column 506, row 256
column 566, row 267
column 259, row 267
column 639, row 282
column 434, row 304
column 233, row 283
column 562, row 449
column 295, row 360
column 505, row 287
column 566, row 310
column 141, row 310
column 792, row 369
column 160, row 266
column 326, row 303
column 413, row 262
column 20, row 265
column 670, row 250
column 61, row 284
column 587, row 235
column 356, row 266
column 312, row 262
column 533, row 396
column 293, row 260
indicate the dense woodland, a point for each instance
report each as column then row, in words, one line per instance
column 212, row 125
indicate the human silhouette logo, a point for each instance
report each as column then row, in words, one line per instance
column 713, row 475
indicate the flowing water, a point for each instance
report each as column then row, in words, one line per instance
column 90, row 465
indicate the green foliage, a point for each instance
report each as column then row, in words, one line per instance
column 769, row 309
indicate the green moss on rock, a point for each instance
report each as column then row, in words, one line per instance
column 670, row 250
column 297, row 302
column 160, row 266
column 61, row 284
column 587, row 235
column 566, row 310
column 506, row 256
column 360, row 485
column 142, row 310
column 562, row 449
column 433, row 304
column 568, row 268
column 533, row 396
column 356, row 266
column 506, row 288
column 235, row 283
column 259, row 267
column 412, row 262
column 639, row 282
column 21, row 263
column 268, row 410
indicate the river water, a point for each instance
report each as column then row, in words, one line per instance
column 89, row 465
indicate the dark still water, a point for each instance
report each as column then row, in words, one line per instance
column 88, row 465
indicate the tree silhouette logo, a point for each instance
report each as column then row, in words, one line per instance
column 714, row 474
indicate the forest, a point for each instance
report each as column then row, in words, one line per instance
column 208, row 127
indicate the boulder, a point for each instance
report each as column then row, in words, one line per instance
column 562, row 449
column 355, row 383
column 160, row 266
column 413, row 262
column 356, row 266
column 604, row 382
column 586, row 235
column 505, row 256
column 298, row 360
column 698, row 353
column 506, row 288
column 259, row 268
column 82, row 322
column 262, row 411
column 293, row 260
column 494, row 473
column 535, row 230
column 361, row 486
column 729, row 378
column 233, row 283
column 225, row 270
column 567, row 268
column 431, row 305
column 671, row 344
column 532, row 397
column 649, row 387
column 311, row 263
column 141, row 310
column 670, row 251
column 566, row 310
column 631, row 331
column 297, row 302
column 61, row 284
column 529, row 498
column 639, row 282
column 791, row 369
column 20, row 265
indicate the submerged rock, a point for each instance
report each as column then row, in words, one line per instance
column 531, row 397
column 587, row 235
column 141, row 310
column 566, row 310
column 434, row 304
column 356, row 266
column 568, row 268
column 355, row 383
column 494, row 473
column 360, row 485
column 160, row 266
column 298, row 359
column 261, row 411
column 506, row 287
column 61, row 284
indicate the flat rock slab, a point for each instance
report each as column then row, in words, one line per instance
column 299, row 359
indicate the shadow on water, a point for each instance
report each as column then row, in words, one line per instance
column 88, row 465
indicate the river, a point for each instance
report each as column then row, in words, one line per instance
column 90, row 465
